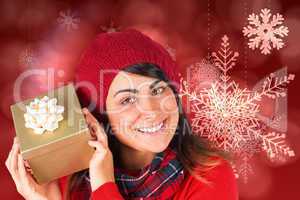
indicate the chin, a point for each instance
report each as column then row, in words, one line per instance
column 157, row 146
column 159, row 149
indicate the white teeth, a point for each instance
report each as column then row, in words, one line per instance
column 152, row 129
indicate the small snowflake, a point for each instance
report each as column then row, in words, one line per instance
column 68, row 20
column 27, row 57
column 267, row 33
column 111, row 28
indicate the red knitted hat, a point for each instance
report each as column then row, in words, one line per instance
column 108, row 54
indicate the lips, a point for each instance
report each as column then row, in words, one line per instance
column 152, row 129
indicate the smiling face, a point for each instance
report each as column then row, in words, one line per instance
column 142, row 112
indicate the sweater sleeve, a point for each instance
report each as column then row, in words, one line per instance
column 62, row 185
column 222, row 185
column 107, row 191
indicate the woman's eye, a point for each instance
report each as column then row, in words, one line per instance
column 128, row 100
column 158, row 90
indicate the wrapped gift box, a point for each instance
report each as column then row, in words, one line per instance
column 58, row 152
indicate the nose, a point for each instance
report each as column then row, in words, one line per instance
column 149, row 116
column 149, row 108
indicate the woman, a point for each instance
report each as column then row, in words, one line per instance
column 145, row 148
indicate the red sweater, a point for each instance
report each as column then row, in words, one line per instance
column 223, row 187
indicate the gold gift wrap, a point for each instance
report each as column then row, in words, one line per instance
column 61, row 152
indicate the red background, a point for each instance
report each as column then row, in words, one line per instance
column 191, row 27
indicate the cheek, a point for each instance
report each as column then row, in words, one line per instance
column 169, row 104
column 121, row 121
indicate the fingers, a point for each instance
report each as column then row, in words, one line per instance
column 9, row 157
column 12, row 161
column 22, row 170
column 95, row 128
column 96, row 144
column 28, row 168
column 7, row 162
column 15, row 152
column 89, row 116
column 91, row 122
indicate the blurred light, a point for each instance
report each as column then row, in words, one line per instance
column 96, row 11
column 180, row 16
column 35, row 16
column 6, row 100
column 9, row 13
column 240, row 10
column 134, row 13
column 291, row 51
column 10, row 66
column 152, row 32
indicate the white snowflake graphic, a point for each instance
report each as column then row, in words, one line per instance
column 226, row 114
column 68, row 20
column 267, row 33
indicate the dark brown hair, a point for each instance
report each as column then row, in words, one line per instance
column 195, row 154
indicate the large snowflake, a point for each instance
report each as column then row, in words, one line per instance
column 226, row 114
column 266, row 33
column 68, row 20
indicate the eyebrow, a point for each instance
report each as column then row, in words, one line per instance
column 135, row 90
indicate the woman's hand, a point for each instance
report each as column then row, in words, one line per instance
column 23, row 180
column 101, row 164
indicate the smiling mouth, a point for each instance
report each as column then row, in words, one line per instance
column 153, row 129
